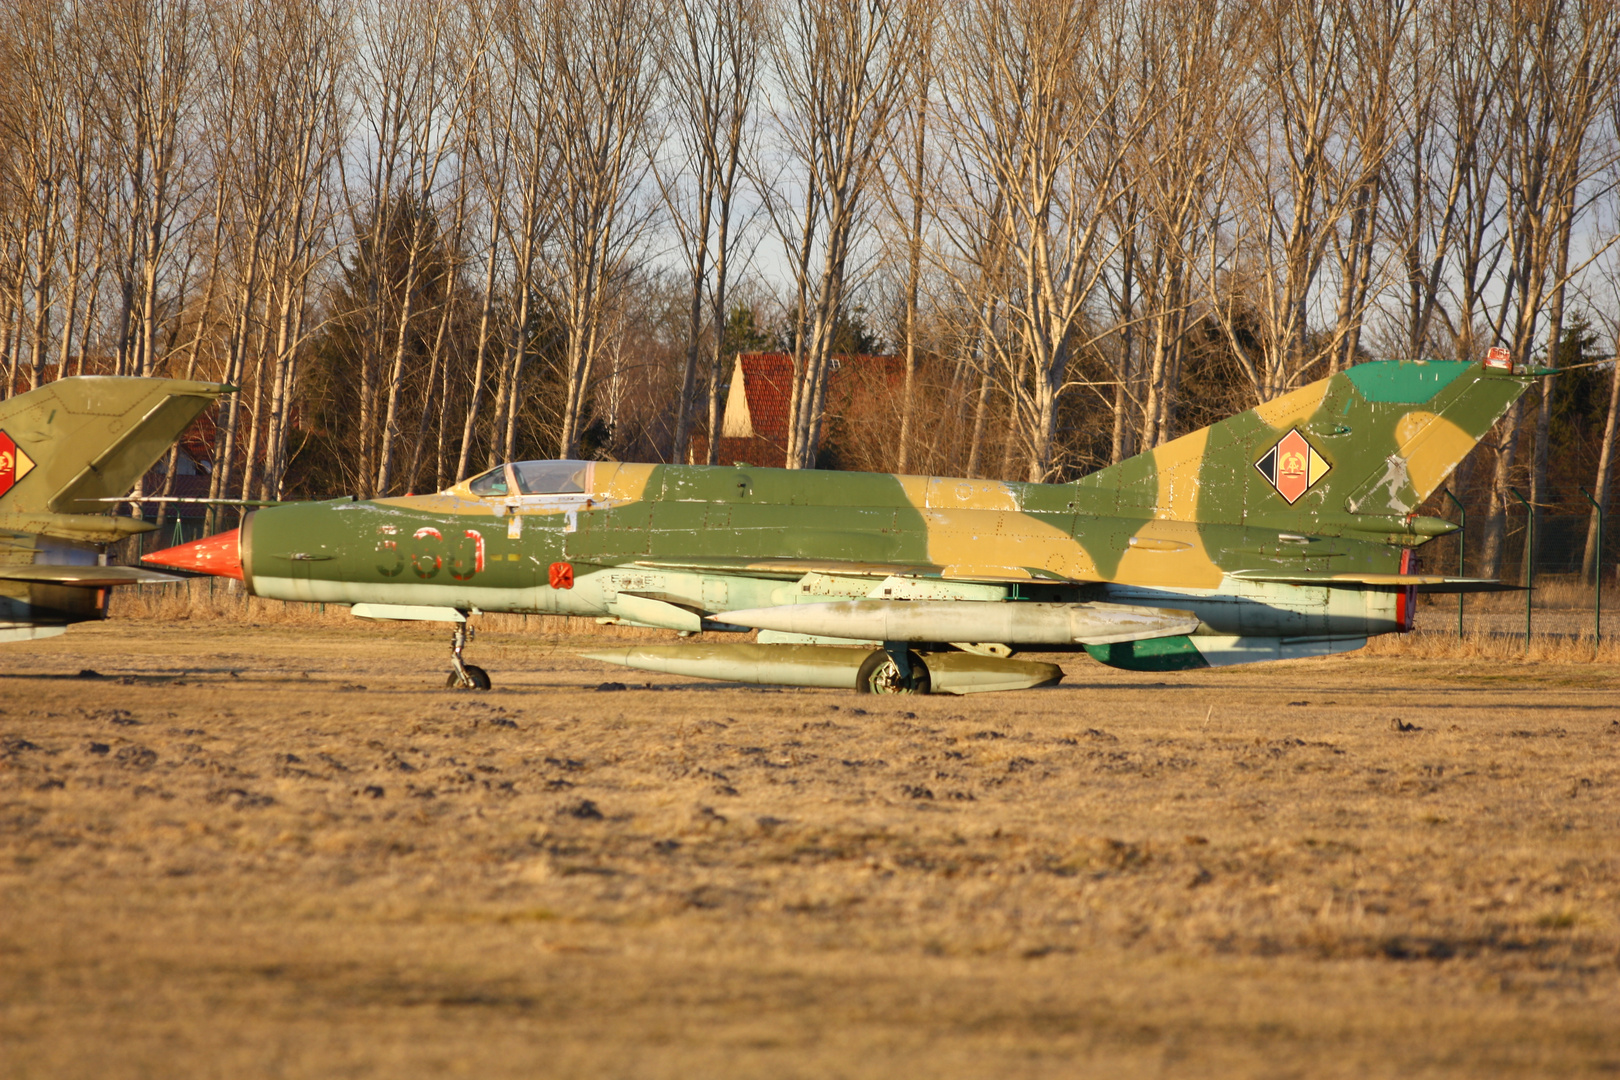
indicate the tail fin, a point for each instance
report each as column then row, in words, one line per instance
column 73, row 442
column 1375, row 440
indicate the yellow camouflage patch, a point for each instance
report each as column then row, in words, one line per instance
column 1432, row 447
column 1168, row 553
column 1293, row 408
column 962, row 538
column 619, row 482
column 456, row 500
column 1178, row 464
column 952, row 494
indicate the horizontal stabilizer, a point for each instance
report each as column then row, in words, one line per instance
column 1020, row 623
column 87, row 577
column 1429, row 583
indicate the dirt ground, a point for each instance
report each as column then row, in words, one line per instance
column 283, row 851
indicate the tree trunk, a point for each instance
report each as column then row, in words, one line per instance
column 1501, row 479
column 1592, row 559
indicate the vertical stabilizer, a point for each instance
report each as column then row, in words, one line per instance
column 72, row 443
column 1374, row 440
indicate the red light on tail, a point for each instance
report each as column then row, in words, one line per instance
column 220, row 555
column 1406, row 599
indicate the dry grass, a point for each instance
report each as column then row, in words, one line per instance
column 282, row 851
column 1509, row 648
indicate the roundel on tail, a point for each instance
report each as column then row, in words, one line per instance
column 1292, row 466
column 14, row 463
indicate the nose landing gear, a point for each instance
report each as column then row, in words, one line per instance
column 464, row 676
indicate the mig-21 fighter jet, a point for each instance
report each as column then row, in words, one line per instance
column 1286, row 531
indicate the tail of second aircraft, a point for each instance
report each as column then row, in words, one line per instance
column 71, row 444
column 1372, row 442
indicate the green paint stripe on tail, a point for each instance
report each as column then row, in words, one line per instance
column 1405, row 383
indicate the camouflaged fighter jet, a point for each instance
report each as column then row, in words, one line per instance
column 1284, row 532
column 67, row 450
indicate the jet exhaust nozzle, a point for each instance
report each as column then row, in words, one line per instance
column 219, row 555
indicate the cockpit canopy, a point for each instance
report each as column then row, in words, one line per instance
column 532, row 478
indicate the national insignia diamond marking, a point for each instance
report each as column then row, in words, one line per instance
column 14, row 464
column 1292, row 466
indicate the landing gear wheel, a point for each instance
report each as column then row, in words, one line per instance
column 475, row 679
column 464, row 676
column 880, row 676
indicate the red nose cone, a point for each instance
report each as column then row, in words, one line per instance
column 219, row 555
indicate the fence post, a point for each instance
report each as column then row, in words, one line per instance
column 1462, row 552
column 1529, row 561
column 1597, row 577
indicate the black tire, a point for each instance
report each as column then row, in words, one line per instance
column 479, row 677
column 877, row 676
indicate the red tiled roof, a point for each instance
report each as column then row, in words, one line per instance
column 768, row 383
column 768, row 390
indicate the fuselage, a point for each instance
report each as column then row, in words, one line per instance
column 656, row 545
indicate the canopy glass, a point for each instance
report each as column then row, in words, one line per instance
column 532, row 478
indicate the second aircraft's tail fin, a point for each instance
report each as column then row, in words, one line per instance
column 1373, row 441
column 69, row 445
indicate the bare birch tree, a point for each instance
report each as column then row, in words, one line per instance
column 424, row 79
column 1444, row 109
column 1029, row 93
column 299, row 89
column 1192, row 74
column 147, row 71
column 1603, row 481
column 604, row 71
column 713, row 71
column 1556, row 71
column 840, row 71
column 1305, row 172
column 910, row 194
column 518, row 150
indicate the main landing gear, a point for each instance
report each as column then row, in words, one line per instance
column 893, row 669
column 464, row 676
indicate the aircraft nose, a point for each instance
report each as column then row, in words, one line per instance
column 220, row 555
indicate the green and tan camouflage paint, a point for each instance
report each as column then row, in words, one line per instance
column 1193, row 524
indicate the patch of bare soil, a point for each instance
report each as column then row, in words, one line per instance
column 284, row 850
